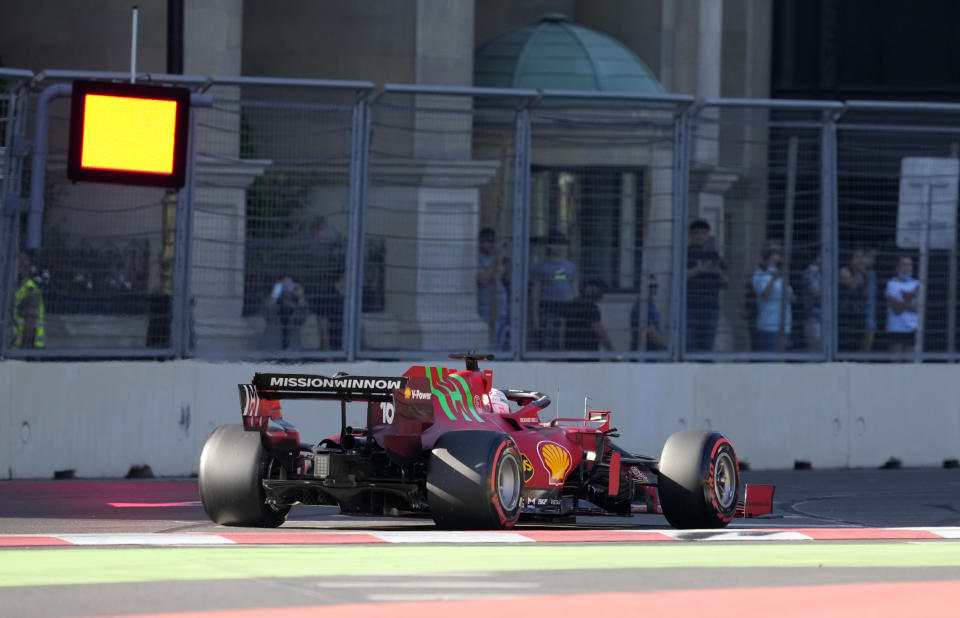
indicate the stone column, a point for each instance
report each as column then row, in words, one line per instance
column 213, row 46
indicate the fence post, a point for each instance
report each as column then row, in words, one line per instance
column 181, row 317
column 357, row 201
column 785, row 296
column 12, row 202
column 521, row 233
column 681, row 190
column 829, row 235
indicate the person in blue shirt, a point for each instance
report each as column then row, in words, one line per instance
column 813, row 314
column 554, row 286
column 655, row 339
column 770, row 288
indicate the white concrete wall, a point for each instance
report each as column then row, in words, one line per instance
column 102, row 418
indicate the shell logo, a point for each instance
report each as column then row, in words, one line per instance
column 406, row 393
column 557, row 460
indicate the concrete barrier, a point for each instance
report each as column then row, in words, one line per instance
column 101, row 418
column 7, row 432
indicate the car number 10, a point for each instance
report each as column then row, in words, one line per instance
column 386, row 410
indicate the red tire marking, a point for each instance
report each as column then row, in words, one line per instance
column 495, row 496
column 875, row 600
column 496, row 460
column 713, row 490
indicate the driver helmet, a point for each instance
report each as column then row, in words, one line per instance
column 499, row 401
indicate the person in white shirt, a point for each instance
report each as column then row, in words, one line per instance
column 768, row 284
column 901, row 295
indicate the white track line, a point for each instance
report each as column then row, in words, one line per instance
column 440, row 536
column 479, row 537
column 145, row 539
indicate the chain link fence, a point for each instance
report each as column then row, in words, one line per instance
column 439, row 222
column 329, row 219
column 601, row 233
column 755, row 228
column 270, row 217
column 897, row 207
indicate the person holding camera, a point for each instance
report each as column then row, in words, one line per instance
column 706, row 275
column 286, row 310
column 769, row 286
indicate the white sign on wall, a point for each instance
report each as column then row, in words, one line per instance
column 928, row 202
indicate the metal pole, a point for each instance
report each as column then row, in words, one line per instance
column 829, row 264
column 521, row 234
column 175, row 37
column 38, row 165
column 952, row 279
column 353, row 273
column 787, row 240
column 10, row 187
column 923, row 274
column 181, row 326
column 678, row 288
column 133, row 46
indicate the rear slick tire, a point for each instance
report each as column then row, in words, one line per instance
column 474, row 481
column 699, row 480
column 233, row 464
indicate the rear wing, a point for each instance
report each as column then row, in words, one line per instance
column 342, row 387
column 259, row 400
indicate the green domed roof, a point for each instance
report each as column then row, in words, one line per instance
column 557, row 53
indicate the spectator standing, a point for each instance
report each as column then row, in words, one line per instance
column 769, row 286
column 655, row 339
column 901, row 294
column 857, row 302
column 813, row 315
column 286, row 310
column 554, row 286
column 490, row 281
column 870, row 318
column 327, row 304
column 584, row 325
column 706, row 275
column 28, row 309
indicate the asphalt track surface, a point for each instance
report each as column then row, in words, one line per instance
column 840, row 543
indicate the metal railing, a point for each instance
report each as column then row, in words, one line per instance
column 330, row 219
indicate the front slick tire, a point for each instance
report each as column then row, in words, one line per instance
column 699, row 480
column 474, row 481
column 233, row 465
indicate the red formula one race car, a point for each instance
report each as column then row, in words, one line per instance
column 446, row 443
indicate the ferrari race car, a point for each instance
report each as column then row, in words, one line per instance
column 445, row 443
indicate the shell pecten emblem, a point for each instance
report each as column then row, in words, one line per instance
column 557, row 460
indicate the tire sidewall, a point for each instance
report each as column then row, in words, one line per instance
column 459, row 502
column 687, row 481
column 714, row 448
column 506, row 453
column 233, row 464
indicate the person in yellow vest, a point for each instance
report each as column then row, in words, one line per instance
column 28, row 310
